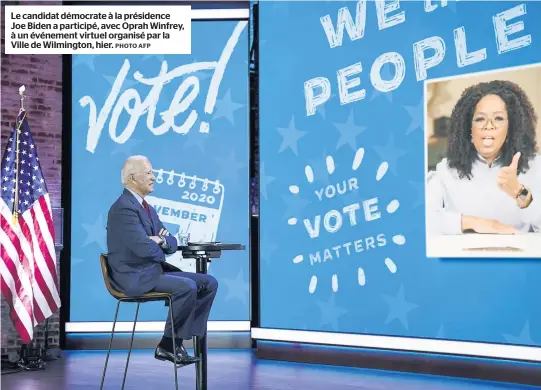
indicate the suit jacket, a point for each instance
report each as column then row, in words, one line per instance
column 135, row 261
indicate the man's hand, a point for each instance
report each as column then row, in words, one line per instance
column 507, row 178
column 169, row 244
column 488, row 226
column 156, row 239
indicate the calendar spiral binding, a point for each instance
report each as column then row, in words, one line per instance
column 211, row 192
column 183, row 179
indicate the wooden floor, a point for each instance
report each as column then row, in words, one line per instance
column 228, row 370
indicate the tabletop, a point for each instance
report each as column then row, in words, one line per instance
column 210, row 246
column 526, row 245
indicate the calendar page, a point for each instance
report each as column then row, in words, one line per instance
column 187, row 204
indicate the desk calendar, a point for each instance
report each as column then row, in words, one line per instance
column 187, row 204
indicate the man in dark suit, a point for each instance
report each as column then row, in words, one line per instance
column 137, row 244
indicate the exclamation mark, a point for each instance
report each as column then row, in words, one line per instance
column 219, row 74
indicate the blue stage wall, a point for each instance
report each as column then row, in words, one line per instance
column 215, row 163
column 385, row 285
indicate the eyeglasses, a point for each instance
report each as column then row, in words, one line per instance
column 481, row 122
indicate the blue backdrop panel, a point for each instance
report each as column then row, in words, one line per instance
column 160, row 106
column 364, row 270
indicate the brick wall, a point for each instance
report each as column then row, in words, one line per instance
column 42, row 77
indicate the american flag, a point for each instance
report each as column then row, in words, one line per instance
column 28, row 259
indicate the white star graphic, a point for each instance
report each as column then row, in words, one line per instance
column 348, row 132
column 126, row 84
column 85, row 59
column 96, row 233
column 159, row 57
column 196, row 139
column 399, row 308
column 290, row 137
column 230, row 166
column 225, row 108
column 524, row 338
column 331, row 312
column 295, row 205
column 237, row 288
column 416, row 114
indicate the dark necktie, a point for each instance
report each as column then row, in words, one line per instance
column 145, row 205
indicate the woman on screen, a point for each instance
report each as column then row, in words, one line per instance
column 490, row 181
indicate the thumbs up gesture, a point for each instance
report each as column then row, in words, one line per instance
column 507, row 177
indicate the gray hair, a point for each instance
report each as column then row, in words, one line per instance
column 131, row 166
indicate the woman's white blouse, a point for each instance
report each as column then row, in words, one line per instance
column 448, row 198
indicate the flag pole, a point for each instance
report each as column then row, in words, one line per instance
column 28, row 355
column 42, row 354
column 36, row 358
column 18, row 130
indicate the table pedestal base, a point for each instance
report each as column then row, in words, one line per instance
column 203, row 252
column 200, row 343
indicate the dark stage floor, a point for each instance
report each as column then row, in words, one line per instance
column 228, row 370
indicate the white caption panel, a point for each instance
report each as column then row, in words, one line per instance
column 61, row 29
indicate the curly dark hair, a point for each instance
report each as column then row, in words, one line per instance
column 461, row 153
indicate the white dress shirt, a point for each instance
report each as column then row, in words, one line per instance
column 448, row 198
column 137, row 196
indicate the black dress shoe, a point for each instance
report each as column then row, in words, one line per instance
column 183, row 358
column 181, row 350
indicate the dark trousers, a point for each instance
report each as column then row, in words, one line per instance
column 193, row 295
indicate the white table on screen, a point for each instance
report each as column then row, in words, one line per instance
column 527, row 245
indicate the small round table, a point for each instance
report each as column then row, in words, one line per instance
column 203, row 252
